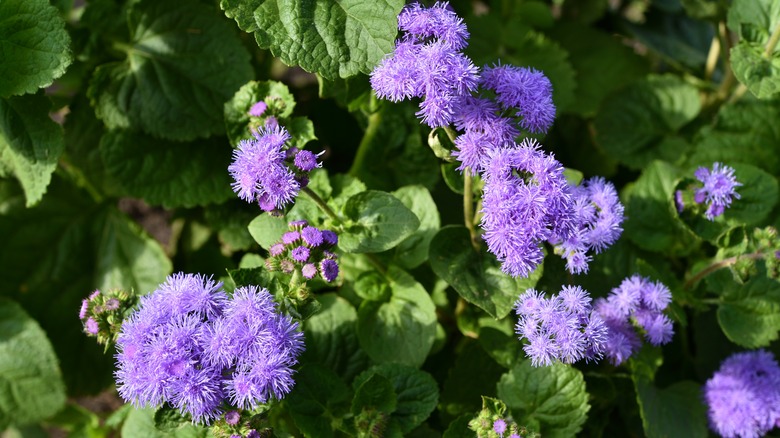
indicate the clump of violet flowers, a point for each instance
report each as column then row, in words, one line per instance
column 267, row 170
column 561, row 328
column 637, row 301
column 305, row 250
column 743, row 396
column 719, row 188
column 194, row 347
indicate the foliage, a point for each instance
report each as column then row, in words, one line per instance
column 118, row 120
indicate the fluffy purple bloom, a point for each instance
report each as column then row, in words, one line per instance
column 309, row 271
column 438, row 22
column 329, row 270
column 290, row 237
column 719, row 188
column 499, row 427
column 525, row 89
column 84, row 308
column 312, row 236
column 642, row 302
column 743, row 396
column 330, row 237
column 300, row 254
column 306, row 161
column 561, row 328
column 526, row 201
column 598, row 215
column 91, row 326
column 259, row 172
column 187, row 339
column 258, row 109
column 679, row 202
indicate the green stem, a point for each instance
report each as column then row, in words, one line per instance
column 321, row 203
column 720, row 265
column 362, row 155
column 468, row 207
column 712, row 58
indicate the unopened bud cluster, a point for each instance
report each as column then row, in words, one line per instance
column 102, row 313
column 305, row 250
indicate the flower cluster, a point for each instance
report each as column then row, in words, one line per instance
column 101, row 314
column 526, row 201
column 719, row 188
column 306, row 249
column 598, row 215
column 192, row 346
column 743, row 396
column 637, row 300
column 268, row 171
column 561, row 328
column 428, row 63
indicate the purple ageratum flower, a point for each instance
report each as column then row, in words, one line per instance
column 438, row 22
column 312, row 236
column 259, row 172
column 679, row 202
column 309, row 271
column 598, row 214
column 719, row 188
column 83, row 309
column 525, row 89
column 743, row 396
column 526, row 201
column 91, row 326
column 485, row 130
column 290, row 237
column 499, row 427
column 329, row 270
column 257, row 109
column 300, row 254
column 306, row 161
column 330, row 237
column 561, row 328
column 639, row 300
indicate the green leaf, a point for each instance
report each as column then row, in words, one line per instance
column 652, row 221
column 56, row 253
column 375, row 393
column 394, row 151
column 634, row 122
column 590, row 50
column 34, row 44
column 331, row 340
column 474, row 374
column 334, row 39
column 477, row 277
column 754, row 20
column 416, row 392
column 705, row 9
column 402, row 329
column 354, row 92
column 753, row 68
column 553, row 397
column 141, row 422
column 758, row 195
column 267, row 229
column 318, row 400
column 31, row 386
column 378, row 222
column 280, row 104
column 749, row 313
column 680, row 40
column 183, row 63
column 676, row 410
column 30, row 143
column 167, row 173
column 413, row 251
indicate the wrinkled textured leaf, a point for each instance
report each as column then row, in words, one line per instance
column 749, row 313
column 141, row 422
column 477, row 277
column 183, row 63
column 413, row 251
column 30, row 143
column 760, row 73
column 34, row 45
column 31, row 386
column 379, row 222
column 553, row 397
column 333, row 38
column 157, row 170
column 402, row 329
column 319, row 396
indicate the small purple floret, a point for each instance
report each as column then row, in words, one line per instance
column 719, row 188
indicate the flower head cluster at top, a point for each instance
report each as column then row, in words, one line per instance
column 191, row 345
column 743, row 396
column 640, row 301
column 101, row 314
column 561, row 328
column 526, row 198
column 266, row 170
column 307, row 249
column 719, row 188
